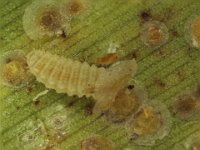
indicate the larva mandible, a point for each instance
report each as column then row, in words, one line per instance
column 76, row 78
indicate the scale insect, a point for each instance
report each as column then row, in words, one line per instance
column 14, row 70
column 127, row 102
column 46, row 19
column 76, row 78
column 150, row 123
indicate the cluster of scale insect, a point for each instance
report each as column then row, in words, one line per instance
column 50, row 18
column 44, row 134
column 132, row 108
column 122, row 103
column 155, row 34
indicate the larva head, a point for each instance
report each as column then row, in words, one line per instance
column 14, row 69
column 151, row 122
column 186, row 106
column 110, row 82
column 45, row 18
column 126, row 103
column 97, row 142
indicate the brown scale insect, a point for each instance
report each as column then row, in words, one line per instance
column 76, row 6
column 186, row 106
column 81, row 79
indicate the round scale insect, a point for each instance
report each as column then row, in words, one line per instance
column 150, row 123
column 127, row 102
column 33, row 137
column 76, row 78
column 193, row 31
column 75, row 7
column 46, row 18
column 97, row 142
column 14, row 69
column 58, row 123
column 154, row 34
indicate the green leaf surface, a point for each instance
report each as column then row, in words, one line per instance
column 166, row 71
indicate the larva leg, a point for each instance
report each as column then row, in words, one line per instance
column 110, row 82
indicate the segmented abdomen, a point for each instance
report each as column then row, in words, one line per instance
column 64, row 75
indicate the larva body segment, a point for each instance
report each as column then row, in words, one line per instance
column 64, row 75
column 76, row 78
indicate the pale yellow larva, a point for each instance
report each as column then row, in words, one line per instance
column 76, row 78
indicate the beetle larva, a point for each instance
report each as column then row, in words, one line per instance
column 76, row 78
